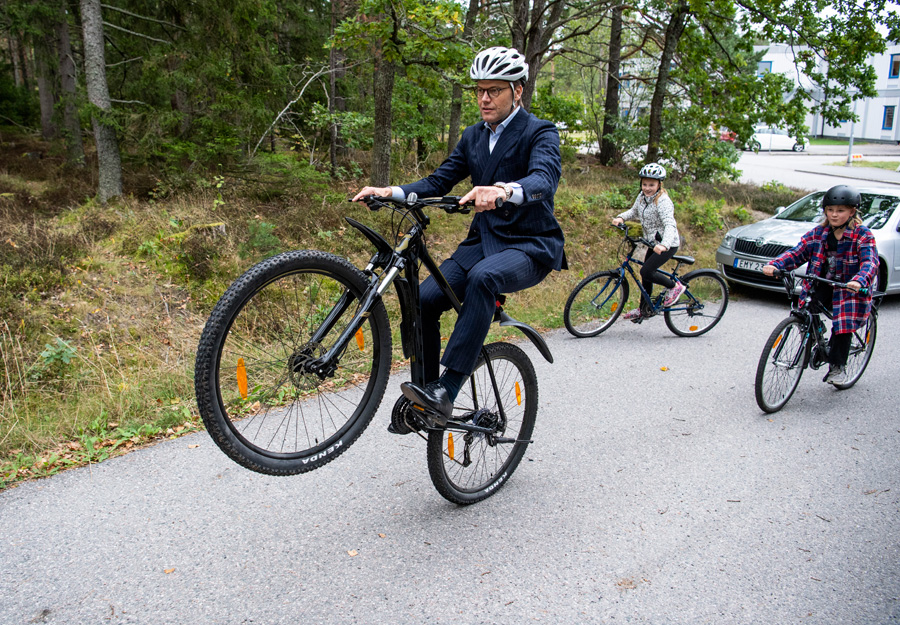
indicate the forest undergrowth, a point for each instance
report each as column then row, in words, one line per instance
column 101, row 306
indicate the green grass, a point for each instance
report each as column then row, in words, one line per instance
column 102, row 306
column 834, row 141
column 889, row 165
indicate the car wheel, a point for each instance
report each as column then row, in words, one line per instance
column 754, row 146
column 799, row 147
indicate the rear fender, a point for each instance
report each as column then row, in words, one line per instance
column 531, row 333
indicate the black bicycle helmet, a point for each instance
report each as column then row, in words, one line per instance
column 842, row 195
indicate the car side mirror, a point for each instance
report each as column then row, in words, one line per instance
column 779, row 209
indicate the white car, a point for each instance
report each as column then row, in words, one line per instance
column 766, row 138
column 745, row 250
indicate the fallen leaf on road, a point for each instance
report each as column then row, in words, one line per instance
column 663, row 368
column 193, row 446
column 352, row 552
column 167, row 571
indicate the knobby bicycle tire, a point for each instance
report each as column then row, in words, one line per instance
column 781, row 364
column 258, row 404
column 701, row 306
column 861, row 346
column 595, row 303
column 465, row 467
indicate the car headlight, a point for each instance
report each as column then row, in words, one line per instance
column 728, row 241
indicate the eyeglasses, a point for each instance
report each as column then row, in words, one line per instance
column 493, row 92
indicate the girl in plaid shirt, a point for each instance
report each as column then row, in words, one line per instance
column 843, row 250
column 656, row 211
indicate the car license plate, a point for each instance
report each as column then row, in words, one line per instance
column 750, row 265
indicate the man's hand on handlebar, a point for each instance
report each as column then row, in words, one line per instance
column 485, row 198
column 376, row 191
column 769, row 270
column 854, row 286
column 617, row 221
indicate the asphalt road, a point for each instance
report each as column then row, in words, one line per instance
column 649, row 496
column 820, row 167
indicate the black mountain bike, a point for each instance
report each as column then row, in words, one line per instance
column 296, row 355
column 598, row 300
column 800, row 341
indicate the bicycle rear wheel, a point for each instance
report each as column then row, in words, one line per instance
column 781, row 364
column 595, row 303
column 861, row 346
column 466, row 467
column 258, row 403
column 701, row 306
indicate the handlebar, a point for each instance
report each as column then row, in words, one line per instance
column 788, row 278
column 447, row 203
column 624, row 228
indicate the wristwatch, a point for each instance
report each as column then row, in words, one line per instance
column 507, row 189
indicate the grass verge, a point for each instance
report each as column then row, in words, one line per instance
column 101, row 307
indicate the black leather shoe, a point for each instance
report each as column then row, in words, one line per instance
column 433, row 398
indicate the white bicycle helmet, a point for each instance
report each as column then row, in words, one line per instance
column 499, row 63
column 654, row 171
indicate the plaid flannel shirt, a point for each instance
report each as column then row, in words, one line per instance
column 857, row 260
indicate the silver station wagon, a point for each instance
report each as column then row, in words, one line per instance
column 745, row 250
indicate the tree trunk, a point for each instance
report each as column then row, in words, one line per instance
column 110, row 164
column 456, row 97
column 381, row 150
column 455, row 118
column 608, row 152
column 68, row 95
column 336, row 101
column 18, row 74
column 47, row 81
column 674, row 30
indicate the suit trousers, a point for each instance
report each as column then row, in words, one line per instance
column 505, row 272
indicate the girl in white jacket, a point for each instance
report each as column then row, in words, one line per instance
column 656, row 212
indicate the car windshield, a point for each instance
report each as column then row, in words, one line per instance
column 875, row 209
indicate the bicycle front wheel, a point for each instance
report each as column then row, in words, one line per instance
column 861, row 346
column 595, row 303
column 467, row 467
column 259, row 404
column 781, row 364
column 701, row 306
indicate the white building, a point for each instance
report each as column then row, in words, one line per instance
column 878, row 116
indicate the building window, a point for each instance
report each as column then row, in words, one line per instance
column 895, row 66
column 888, row 122
column 765, row 67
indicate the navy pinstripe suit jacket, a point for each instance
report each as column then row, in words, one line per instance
column 527, row 152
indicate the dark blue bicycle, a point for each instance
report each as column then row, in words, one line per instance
column 599, row 299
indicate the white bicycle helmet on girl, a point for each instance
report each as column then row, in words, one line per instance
column 499, row 63
column 654, row 171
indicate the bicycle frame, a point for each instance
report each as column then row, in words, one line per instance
column 810, row 311
column 399, row 265
column 626, row 266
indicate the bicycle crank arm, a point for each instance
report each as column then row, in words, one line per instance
column 502, row 439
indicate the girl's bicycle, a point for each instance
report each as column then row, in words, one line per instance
column 800, row 341
column 296, row 355
column 598, row 300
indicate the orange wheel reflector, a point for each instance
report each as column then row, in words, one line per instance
column 693, row 328
column 615, row 306
column 242, row 378
column 360, row 339
column 777, row 341
column 518, row 394
column 450, row 444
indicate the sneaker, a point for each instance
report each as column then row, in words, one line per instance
column 836, row 375
column 633, row 314
column 674, row 293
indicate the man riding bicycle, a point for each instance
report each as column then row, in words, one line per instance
column 511, row 155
